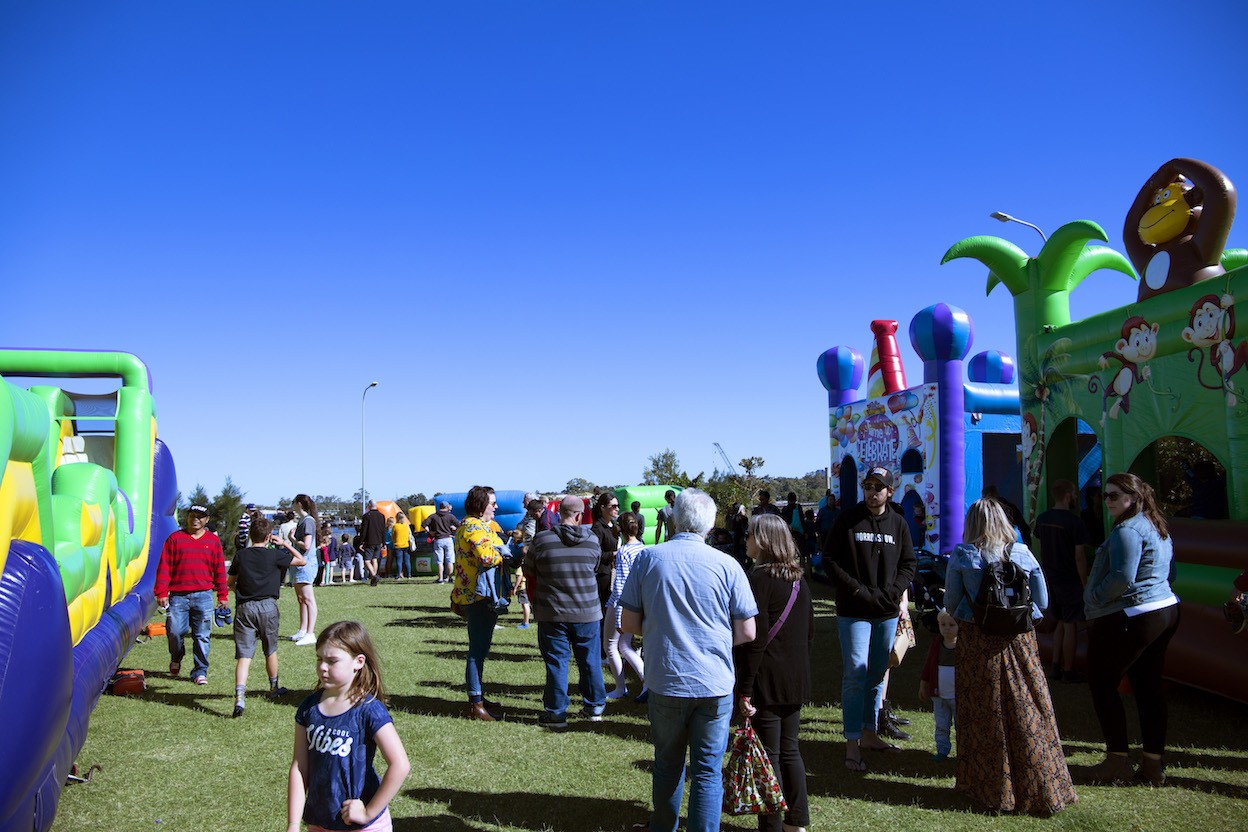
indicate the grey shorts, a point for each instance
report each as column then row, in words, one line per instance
column 252, row 619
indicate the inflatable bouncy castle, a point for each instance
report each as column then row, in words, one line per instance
column 1122, row 390
column 87, row 497
column 943, row 439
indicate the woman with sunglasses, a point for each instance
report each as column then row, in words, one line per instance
column 1133, row 615
column 477, row 547
column 607, row 530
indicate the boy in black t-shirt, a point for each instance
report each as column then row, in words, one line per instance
column 256, row 577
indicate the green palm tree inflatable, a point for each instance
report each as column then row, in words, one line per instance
column 1041, row 288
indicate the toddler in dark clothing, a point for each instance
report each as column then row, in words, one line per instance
column 936, row 681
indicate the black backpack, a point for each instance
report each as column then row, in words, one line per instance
column 1003, row 605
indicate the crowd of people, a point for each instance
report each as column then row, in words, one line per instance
column 718, row 639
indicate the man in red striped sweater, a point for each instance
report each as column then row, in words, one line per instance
column 192, row 566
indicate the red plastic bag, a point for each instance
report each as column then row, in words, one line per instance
column 750, row 784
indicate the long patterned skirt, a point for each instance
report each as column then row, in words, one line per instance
column 1009, row 754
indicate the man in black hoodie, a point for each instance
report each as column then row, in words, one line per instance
column 871, row 564
column 561, row 565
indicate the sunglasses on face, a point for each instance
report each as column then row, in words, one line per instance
column 872, row 486
column 1113, row 496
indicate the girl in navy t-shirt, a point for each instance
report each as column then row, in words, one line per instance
column 338, row 730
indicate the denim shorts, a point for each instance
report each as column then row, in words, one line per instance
column 305, row 574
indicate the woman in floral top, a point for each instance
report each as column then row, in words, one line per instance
column 477, row 547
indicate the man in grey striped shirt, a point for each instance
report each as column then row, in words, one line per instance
column 560, row 569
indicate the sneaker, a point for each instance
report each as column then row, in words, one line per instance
column 278, row 693
column 200, row 680
column 618, row 694
column 591, row 715
column 238, row 711
column 643, row 697
column 522, row 626
column 940, row 758
column 296, row 636
column 373, row 581
column 306, row 640
column 549, row 720
column 175, row 668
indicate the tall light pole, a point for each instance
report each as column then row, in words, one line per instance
column 1004, row 217
column 363, row 493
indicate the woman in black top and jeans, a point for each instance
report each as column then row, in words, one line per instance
column 773, row 671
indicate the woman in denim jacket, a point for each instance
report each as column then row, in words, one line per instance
column 1133, row 615
column 1009, row 752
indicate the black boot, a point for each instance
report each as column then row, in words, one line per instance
column 893, row 716
column 887, row 729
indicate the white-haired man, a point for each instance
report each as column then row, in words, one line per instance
column 691, row 603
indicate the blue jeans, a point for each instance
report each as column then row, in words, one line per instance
column 557, row 643
column 943, row 710
column 865, row 646
column 190, row 613
column 481, row 620
column 403, row 564
column 701, row 727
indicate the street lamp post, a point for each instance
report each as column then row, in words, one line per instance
column 1004, row 217
column 363, row 493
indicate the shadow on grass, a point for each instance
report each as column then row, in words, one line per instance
column 524, row 810
column 439, row 619
column 499, row 653
column 828, row 777
column 198, row 702
column 527, row 713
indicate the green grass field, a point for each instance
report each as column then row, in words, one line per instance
column 172, row 759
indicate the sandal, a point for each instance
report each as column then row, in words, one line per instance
column 855, row 764
column 888, row 746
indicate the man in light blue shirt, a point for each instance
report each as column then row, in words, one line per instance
column 691, row 603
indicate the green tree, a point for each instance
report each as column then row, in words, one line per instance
column 727, row 488
column 227, row 509
column 579, row 486
column 197, row 497
column 663, row 469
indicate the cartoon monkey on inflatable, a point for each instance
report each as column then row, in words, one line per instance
column 1177, row 227
column 1211, row 325
column 1133, row 351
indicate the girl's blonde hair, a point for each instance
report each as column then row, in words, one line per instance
column 988, row 529
column 945, row 615
column 777, row 552
column 352, row 639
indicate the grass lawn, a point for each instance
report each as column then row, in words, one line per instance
column 173, row 759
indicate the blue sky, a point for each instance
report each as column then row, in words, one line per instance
column 562, row 236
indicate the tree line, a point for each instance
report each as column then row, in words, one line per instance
column 663, row 468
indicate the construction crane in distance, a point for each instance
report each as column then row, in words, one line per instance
column 731, row 468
